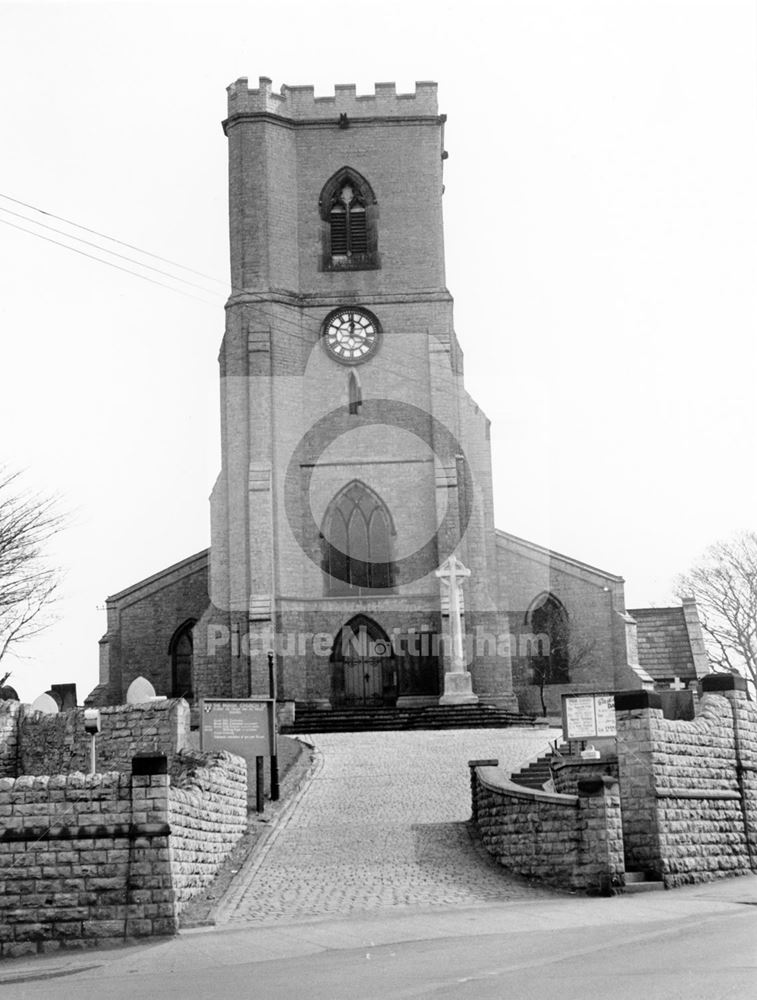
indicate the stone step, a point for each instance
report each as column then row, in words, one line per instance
column 534, row 775
column 641, row 881
column 367, row 718
column 536, row 785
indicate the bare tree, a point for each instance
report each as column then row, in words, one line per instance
column 27, row 581
column 724, row 585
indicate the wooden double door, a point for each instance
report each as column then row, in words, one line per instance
column 364, row 668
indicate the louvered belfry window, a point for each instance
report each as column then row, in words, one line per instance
column 349, row 223
column 349, row 233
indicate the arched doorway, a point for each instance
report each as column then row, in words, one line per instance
column 363, row 666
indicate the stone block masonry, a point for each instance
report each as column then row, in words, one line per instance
column 679, row 804
column 207, row 813
column 37, row 744
column 689, row 789
column 572, row 841
column 105, row 858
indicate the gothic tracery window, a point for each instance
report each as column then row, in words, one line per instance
column 349, row 213
column 356, row 543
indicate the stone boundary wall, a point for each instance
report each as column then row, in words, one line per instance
column 207, row 813
column 572, row 841
column 567, row 773
column 34, row 743
column 9, row 711
column 679, row 804
column 91, row 859
column 689, row 789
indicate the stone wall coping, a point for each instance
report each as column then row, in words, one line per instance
column 149, row 763
column 92, row 831
column 696, row 793
column 723, row 682
column 496, row 780
column 159, row 705
column 574, row 761
column 629, row 701
column 75, row 779
column 596, row 784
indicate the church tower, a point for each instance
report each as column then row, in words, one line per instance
column 354, row 462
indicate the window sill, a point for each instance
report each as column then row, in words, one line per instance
column 357, row 262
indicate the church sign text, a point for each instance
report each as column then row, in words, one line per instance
column 586, row 716
column 243, row 726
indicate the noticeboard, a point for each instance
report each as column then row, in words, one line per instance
column 585, row 716
column 244, row 726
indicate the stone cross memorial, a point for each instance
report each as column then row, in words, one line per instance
column 458, row 686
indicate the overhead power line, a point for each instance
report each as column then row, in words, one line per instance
column 110, row 263
column 113, row 253
column 113, row 239
column 294, row 329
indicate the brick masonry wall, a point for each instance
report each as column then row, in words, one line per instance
column 525, row 572
column 207, row 812
column 141, row 623
column 573, row 841
column 688, row 797
column 33, row 743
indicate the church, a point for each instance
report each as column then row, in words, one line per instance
column 352, row 521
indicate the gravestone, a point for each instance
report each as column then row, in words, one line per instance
column 140, row 691
column 46, row 704
column 64, row 694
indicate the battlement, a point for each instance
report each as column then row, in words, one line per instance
column 301, row 102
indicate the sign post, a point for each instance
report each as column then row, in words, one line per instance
column 244, row 726
column 274, row 749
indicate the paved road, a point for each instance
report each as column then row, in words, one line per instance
column 382, row 824
column 696, row 943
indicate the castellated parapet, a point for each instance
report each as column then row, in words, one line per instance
column 301, row 102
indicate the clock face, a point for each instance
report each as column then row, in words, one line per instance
column 351, row 335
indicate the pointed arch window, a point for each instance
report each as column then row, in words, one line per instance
column 354, row 393
column 181, row 652
column 356, row 543
column 549, row 630
column 349, row 214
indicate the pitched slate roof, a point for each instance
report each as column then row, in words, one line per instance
column 664, row 643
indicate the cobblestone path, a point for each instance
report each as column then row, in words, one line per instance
column 382, row 824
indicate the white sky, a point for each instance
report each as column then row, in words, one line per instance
column 600, row 214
